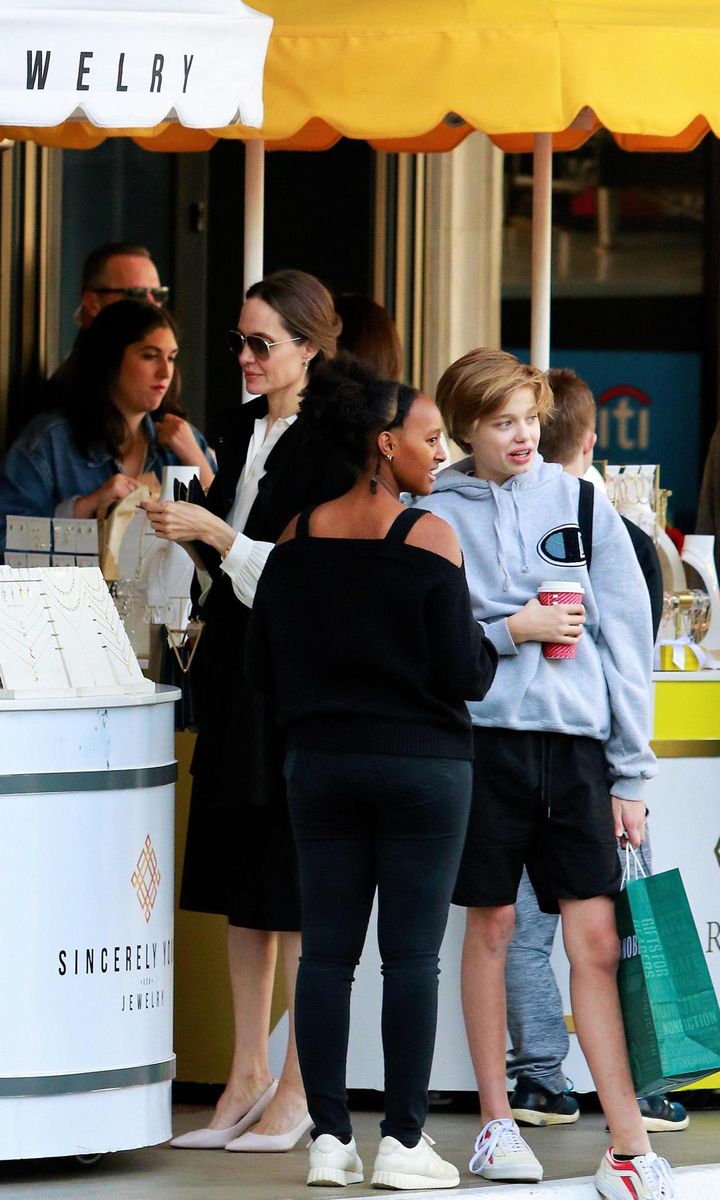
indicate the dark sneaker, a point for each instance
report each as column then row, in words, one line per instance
column 532, row 1104
column 662, row 1115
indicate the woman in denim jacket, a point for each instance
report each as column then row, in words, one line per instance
column 121, row 423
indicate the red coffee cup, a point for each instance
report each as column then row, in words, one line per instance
column 562, row 591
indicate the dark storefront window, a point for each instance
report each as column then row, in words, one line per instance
column 629, row 307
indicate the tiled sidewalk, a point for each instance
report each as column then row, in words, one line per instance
column 568, row 1154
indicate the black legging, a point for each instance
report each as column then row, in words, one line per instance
column 363, row 822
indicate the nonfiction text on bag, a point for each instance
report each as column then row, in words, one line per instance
column 39, row 63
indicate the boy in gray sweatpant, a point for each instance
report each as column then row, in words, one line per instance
column 535, row 1019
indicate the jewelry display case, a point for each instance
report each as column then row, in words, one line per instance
column 87, row 815
column 86, row 889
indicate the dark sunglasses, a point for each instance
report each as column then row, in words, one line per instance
column 159, row 294
column 257, row 345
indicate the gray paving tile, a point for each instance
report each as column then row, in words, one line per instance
column 161, row 1173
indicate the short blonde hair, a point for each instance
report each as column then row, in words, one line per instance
column 479, row 383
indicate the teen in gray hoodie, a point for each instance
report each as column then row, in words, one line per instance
column 518, row 534
column 561, row 747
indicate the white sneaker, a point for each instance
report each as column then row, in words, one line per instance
column 646, row 1177
column 334, row 1163
column 501, row 1153
column 410, row 1168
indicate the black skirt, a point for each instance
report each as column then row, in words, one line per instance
column 239, row 856
column 241, row 863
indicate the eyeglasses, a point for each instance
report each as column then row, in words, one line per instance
column 159, row 294
column 258, row 346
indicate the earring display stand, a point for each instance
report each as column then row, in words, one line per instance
column 51, row 542
column 61, row 635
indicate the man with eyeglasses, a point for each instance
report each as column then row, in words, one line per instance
column 115, row 271
column 118, row 271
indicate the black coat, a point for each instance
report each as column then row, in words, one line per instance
column 239, row 751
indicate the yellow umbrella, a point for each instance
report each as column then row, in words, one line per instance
column 422, row 74
column 390, row 73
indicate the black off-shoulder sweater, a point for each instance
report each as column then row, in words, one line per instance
column 368, row 646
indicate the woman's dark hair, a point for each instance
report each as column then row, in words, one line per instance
column 369, row 332
column 92, row 415
column 344, row 404
column 305, row 307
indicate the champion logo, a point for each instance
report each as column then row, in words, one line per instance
column 562, row 546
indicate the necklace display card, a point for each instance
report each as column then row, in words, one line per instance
column 59, row 629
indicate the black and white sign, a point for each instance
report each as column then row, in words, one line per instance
column 132, row 63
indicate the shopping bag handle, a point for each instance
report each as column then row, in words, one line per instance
column 635, row 865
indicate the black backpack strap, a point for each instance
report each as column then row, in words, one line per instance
column 403, row 523
column 302, row 525
column 586, row 504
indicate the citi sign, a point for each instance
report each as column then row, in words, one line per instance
column 623, row 418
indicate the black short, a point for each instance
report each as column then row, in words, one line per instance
column 541, row 800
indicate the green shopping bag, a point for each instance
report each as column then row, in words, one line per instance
column 669, row 1007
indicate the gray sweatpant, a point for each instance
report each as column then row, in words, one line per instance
column 536, row 1024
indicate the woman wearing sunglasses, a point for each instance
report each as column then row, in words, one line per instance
column 240, row 858
column 121, row 420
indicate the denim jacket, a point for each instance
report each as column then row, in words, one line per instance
column 44, row 469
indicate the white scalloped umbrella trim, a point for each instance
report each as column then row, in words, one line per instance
column 132, row 64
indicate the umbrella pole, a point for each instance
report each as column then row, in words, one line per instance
column 541, row 251
column 253, row 251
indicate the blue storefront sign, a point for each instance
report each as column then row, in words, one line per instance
column 648, row 412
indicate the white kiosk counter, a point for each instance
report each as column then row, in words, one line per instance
column 86, row 895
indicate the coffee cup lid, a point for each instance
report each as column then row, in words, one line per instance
column 562, row 585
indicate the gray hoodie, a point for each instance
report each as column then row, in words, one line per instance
column 518, row 535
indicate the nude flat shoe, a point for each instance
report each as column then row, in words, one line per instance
column 271, row 1143
column 217, row 1139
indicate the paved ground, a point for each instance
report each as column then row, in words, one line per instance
column 165, row 1174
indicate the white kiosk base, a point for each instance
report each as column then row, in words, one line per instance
column 86, row 896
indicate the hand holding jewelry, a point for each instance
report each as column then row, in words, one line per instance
column 96, row 503
column 178, row 521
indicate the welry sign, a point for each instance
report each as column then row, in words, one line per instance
column 132, row 63
column 38, row 69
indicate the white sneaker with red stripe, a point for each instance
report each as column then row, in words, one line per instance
column 645, row 1177
column 501, row 1153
